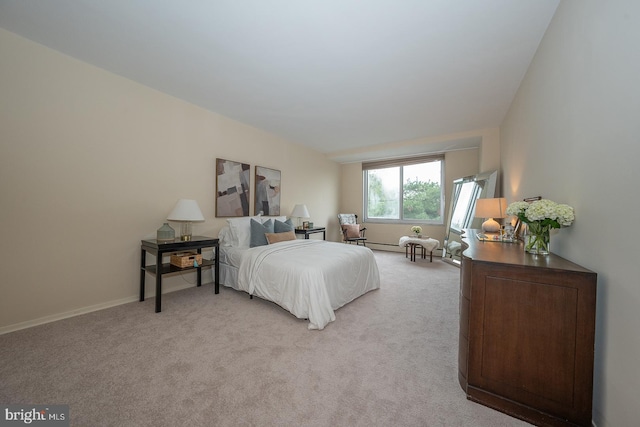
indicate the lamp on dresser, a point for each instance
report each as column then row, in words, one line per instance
column 490, row 209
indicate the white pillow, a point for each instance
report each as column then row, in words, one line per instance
column 279, row 218
column 241, row 230
column 225, row 236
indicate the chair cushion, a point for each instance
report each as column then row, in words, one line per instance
column 347, row 219
column 352, row 230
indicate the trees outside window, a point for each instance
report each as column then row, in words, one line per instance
column 411, row 192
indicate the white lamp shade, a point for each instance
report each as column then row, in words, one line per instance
column 186, row 210
column 491, row 208
column 300, row 211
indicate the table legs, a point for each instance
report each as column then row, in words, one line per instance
column 216, row 279
column 199, row 270
column 410, row 249
column 143, row 257
column 159, row 282
column 158, row 274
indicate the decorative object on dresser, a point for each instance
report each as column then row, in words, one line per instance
column 527, row 332
column 186, row 211
column 490, row 209
column 541, row 216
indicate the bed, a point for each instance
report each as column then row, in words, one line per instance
column 309, row 278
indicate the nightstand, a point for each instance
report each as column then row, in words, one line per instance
column 159, row 249
column 307, row 231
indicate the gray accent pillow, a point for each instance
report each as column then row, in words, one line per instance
column 282, row 227
column 258, row 231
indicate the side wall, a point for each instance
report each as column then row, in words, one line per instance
column 90, row 163
column 571, row 135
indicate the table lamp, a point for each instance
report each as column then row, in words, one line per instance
column 490, row 209
column 185, row 212
column 300, row 211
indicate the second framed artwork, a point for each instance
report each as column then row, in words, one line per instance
column 267, row 200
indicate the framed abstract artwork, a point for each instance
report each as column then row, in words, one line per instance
column 232, row 188
column 267, row 191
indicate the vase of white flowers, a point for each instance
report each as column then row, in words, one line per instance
column 541, row 216
column 417, row 230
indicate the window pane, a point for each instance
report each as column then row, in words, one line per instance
column 383, row 198
column 422, row 196
column 409, row 192
column 460, row 218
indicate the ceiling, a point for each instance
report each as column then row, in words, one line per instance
column 335, row 75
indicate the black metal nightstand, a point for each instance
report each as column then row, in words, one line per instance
column 307, row 231
column 159, row 249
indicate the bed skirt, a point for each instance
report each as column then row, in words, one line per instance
column 229, row 276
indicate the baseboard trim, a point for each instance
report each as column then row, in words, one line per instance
column 84, row 310
column 394, row 247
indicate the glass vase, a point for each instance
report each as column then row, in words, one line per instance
column 538, row 239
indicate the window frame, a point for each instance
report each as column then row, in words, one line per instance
column 401, row 163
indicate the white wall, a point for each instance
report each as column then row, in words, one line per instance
column 90, row 163
column 571, row 135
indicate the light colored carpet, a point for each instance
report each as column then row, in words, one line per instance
column 389, row 359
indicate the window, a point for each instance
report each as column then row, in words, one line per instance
column 407, row 190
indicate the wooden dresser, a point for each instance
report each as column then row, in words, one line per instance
column 527, row 325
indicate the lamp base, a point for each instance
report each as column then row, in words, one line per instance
column 185, row 231
column 491, row 226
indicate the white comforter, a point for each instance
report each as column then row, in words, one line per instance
column 310, row 278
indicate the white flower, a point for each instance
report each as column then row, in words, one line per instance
column 516, row 208
column 416, row 229
column 565, row 215
column 543, row 212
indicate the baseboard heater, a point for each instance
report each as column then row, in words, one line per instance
column 395, row 244
column 382, row 244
